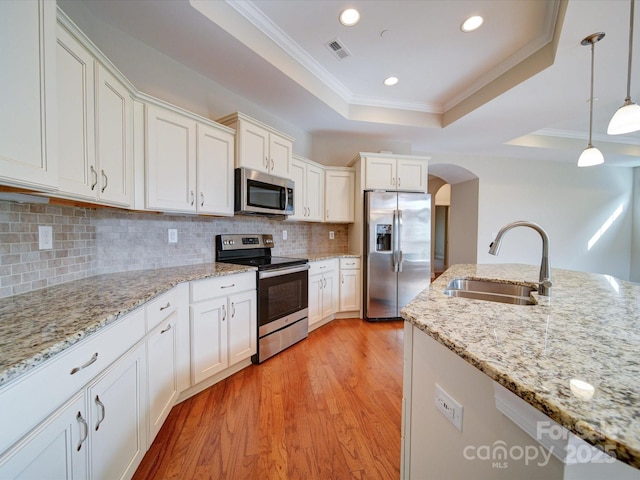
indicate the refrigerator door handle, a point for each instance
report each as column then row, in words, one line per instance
column 399, row 248
column 394, row 241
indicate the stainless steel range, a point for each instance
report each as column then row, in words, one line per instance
column 283, row 294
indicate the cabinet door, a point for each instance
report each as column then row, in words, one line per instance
column 77, row 174
column 117, row 405
column 349, row 290
column 242, row 329
column 170, row 161
column 253, row 147
column 330, row 293
column 162, row 370
column 27, row 117
column 215, row 171
column 57, row 448
column 412, row 175
column 339, row 196
column 113, row 139
column 380, row 173
column 315, row 298
column 298, row 173
column 314, row 193
column 280, row 150
column 208, row 338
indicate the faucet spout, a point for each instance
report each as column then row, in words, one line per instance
column 544, row 280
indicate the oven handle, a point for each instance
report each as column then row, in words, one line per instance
column 282, row 271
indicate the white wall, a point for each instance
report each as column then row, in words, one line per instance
column 572, row 204
column 635, row 237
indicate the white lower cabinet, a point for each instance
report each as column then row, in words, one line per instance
column 162, row 370
column 98, row 434
column 323, row 290
column 55, row 449
column 350, row 291
column 223, row 323
column 117, row 418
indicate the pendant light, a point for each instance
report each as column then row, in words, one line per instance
column 591, row 155
column 627, row 118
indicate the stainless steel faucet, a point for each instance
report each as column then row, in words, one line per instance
column 544, row 281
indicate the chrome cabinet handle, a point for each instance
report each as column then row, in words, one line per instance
column 93, row 358
column 343, row 278
column 106, row 181
column 193, row 198
column 266, row 163
column 82, row 422
column 323, row 266
column 393, row 180
column 228, row 286
column 104, row 412
column 95, row 177
column 324, row 280
column 233, row 309
column 272, row 164
column 398, row 181
column 327, row 213
column 168, row 327
column 201, row 199
column 166, row 306
column 224, row 313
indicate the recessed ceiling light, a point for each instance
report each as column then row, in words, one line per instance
column 471, row 23
column 390, row 81
column 349, row 17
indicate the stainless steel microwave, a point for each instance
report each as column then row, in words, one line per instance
column 259, row 193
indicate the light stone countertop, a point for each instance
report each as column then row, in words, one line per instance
column 589, row 330
column 316, row 257
column 37, row 325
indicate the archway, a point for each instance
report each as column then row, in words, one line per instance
column 461, row 215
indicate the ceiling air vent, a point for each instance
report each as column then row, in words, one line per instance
column 338, row 49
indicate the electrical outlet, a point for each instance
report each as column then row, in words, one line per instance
column 448, row 406
column 332, row 235
column 45, row 237
column 173, row 235
column 284, row 234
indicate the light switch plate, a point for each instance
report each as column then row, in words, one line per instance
column 173, row 235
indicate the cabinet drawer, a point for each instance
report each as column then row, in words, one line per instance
column 160, row 308
column 28, row 400
column 349, row 263
column 323, row 266
column 219, row 286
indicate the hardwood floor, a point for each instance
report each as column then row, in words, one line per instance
column 328, row 407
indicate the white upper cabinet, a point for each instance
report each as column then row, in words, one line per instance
column 339, row 195
column 259, row 146
column 94, row 127
column 113, row 140
column 398, row 173
column 215, row 171
column 308, row 191
column 27, row 94
column 170, row 160
column 189, row 164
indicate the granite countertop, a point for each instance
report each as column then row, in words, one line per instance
column 37, row 325
column 316, row 256
column 589, row 330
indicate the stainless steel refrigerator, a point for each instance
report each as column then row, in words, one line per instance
column 397, row 250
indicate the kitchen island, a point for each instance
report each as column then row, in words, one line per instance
column 573, row 358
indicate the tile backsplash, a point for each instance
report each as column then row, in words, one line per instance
column 89, row 241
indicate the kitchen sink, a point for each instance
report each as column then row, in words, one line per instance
column 512, row 293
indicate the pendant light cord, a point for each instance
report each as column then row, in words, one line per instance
column 628, row 99
column 593, row 41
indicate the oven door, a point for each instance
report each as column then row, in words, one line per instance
column 283, row 297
